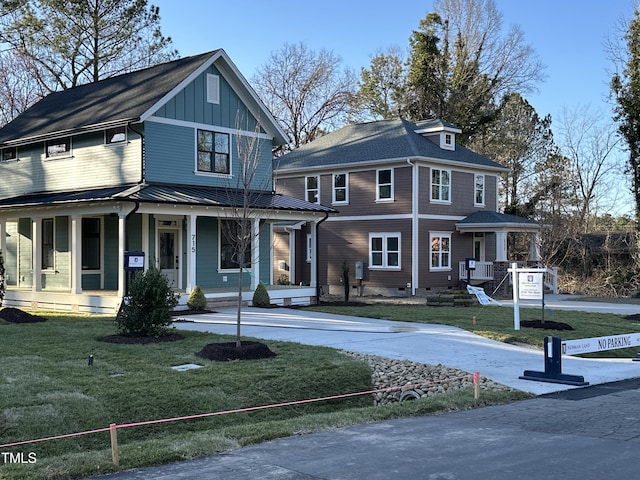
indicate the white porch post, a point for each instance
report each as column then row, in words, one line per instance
column 36, row 254
column 121, row 246
column 76, row 254
column 255, row 254
column 534, row 246
column 501, row 246
column 145, row 239
column 191, row 255
column 3, row 238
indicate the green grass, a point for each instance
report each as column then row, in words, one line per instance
column 47, row 388
column 497, row 322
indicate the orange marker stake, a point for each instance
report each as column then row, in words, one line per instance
column 476, row 385
column 474, row 320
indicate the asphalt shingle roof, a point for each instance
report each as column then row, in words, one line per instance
column 116, row 99
column 380, row 140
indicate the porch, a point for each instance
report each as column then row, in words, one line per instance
column 107, row 302
column 484, row 272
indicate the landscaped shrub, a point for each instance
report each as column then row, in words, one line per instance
column 197, row 301
column 147, row 311
column 261, row 296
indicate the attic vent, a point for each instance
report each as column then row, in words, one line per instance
column 213, row 89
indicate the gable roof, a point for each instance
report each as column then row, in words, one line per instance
column 394, row 139
column 130, row 97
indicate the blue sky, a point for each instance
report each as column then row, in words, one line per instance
column 567, row 35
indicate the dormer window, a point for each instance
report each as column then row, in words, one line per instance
column 447, row 141
column 58, row 147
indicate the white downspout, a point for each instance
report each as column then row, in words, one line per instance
column 415, row 252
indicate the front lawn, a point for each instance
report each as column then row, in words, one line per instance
column 497, row 322
column 48, row 388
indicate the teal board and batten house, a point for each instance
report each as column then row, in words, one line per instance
column 149, row 162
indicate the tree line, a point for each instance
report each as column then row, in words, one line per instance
column 461, row 64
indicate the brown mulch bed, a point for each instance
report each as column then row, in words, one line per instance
column 15, row 315
column 133, row 339
column 635, row 317
column 547, row 325
column 224, row 352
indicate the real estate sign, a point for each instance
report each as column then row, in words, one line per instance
column 530, row 285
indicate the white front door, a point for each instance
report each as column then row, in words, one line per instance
column 478, row 247
column 168, row 255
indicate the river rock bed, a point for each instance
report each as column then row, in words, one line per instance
column 414, row 380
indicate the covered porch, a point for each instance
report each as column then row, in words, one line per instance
column 501, row 225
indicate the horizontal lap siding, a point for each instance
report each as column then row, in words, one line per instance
column 349, row 242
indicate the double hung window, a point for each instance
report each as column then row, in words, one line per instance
column 213, row 152
column 440, row 185
column 384, row 250
column 384, row 187
column 312, row 189
column 440, row 251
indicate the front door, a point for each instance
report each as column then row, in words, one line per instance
column 478, row 247
column 169, row 261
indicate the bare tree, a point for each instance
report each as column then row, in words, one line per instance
column 18, row 89
column 591, row 145
column 250, row 185
column 305, row 90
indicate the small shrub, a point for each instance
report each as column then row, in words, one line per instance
column 196, row 300
column 261, row 296
column 147, row 313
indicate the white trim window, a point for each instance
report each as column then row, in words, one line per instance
column 440, row 185
column 384, row 185
column 48, row 244
column 60, row 147
column 440, row 250
column 478, row 197
column 384, row 250
column 91, row 243
column 213, row 152
column 312, row 189
column 340, row 188
column 9, row 154
column 229, row 258
column 115, row 135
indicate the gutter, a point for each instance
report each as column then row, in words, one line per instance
column 317, row 259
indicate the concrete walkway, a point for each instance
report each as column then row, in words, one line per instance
column 432, row 344
column 571, row 433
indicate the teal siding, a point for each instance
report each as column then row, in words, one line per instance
column 207, row 252
column 171, row 158
column 264, row 255
column 91, row 281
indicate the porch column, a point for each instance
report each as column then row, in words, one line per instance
column 192, row 253
column 534, row 246
column 501, row 246
column 255, row 254
column 3, row 239
column 76, row 254
column 121, row 247
column 36, row 254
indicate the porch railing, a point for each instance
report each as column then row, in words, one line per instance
column 483, row 271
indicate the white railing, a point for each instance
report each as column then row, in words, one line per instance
column 483, row 271
column 551, row 279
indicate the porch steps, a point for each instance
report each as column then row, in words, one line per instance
column 450, row 298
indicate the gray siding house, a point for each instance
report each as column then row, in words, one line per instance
column 146, row 162
column 413, row 205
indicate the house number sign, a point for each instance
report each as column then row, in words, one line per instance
column 193, row 243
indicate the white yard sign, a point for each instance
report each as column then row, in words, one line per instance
column 530, row 286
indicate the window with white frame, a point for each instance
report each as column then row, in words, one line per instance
column 440, row 250
column 58, row 147
column 384, row 250
column 213, row 152
column 115, row 135
column 309, row 247
column 479, row 190
column 340, row 188
column 48, row 244
column 9, row 154
column 440, row 185
column 91, row 243
column 384, row 184
column 230, row 241
column 312, row 189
